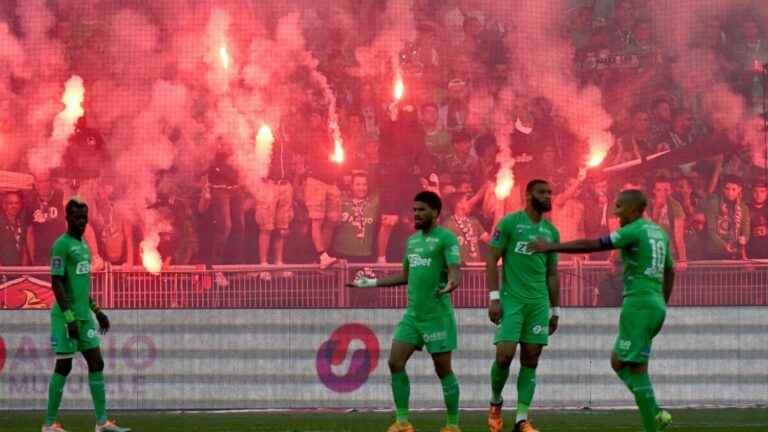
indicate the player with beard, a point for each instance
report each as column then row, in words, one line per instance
column 73, row 329
column 521, row 308
column 431, row 270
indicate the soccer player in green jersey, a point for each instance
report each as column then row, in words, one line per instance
column 431, row 270
column 648, row 281
column 521, row 309
column 72, row 326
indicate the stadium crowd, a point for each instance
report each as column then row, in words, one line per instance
column 441, row 137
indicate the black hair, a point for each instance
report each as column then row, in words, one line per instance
column 532, row 184
column 74, row 204
column 637, row 197
column 431, row 199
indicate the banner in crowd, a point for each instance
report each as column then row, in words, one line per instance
column 249, row 359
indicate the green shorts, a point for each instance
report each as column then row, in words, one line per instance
column 640, row 321
column 64, row 346
column 523, row 322
column 438, row 334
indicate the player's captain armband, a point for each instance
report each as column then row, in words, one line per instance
column 606, row 242
column 57, row 265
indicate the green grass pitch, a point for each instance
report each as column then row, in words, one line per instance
column 699, row 420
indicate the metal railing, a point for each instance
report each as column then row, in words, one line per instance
column 589, row 283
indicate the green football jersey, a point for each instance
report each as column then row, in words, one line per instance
column 525, row 273
column 72, row 259
column 644, row 254
column 426, row 260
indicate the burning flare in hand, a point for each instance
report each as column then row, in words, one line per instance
column 399, row 89
column 150, row 257
column 338, row 152
column 504, row 183
column 224, row 55
column 596, row 158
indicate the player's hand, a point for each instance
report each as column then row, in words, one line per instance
column 681, row 266
column 494, row 311
column 72, row 330
column 449, row 287
column 363, row 282
column 553, row 324
column 101, row 317
column 539, row 246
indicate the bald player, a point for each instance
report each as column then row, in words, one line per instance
column 648, row 281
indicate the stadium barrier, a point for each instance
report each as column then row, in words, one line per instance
column 337, row 358
column 583, row 284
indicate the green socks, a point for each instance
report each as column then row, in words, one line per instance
column 55, row 392
column 498, row 380
column 526, row 386
column 641, row 387
column 98, row 394
column 451, row 397
column 401, row 390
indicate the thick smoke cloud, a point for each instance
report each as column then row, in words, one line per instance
column 165, row 81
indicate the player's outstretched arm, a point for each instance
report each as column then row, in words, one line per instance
column 391, row 280
column 572, row 247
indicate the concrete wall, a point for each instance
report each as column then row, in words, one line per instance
column 204, row 359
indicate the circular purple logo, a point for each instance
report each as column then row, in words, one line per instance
column 332, row 354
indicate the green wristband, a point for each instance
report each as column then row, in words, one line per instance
column 69, row 316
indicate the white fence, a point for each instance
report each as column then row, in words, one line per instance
column 705, row 283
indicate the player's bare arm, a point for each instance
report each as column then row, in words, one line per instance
column 387, row 281
column 572, row 247
column 492, row 280
column 454, row 276
column 553, row 283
